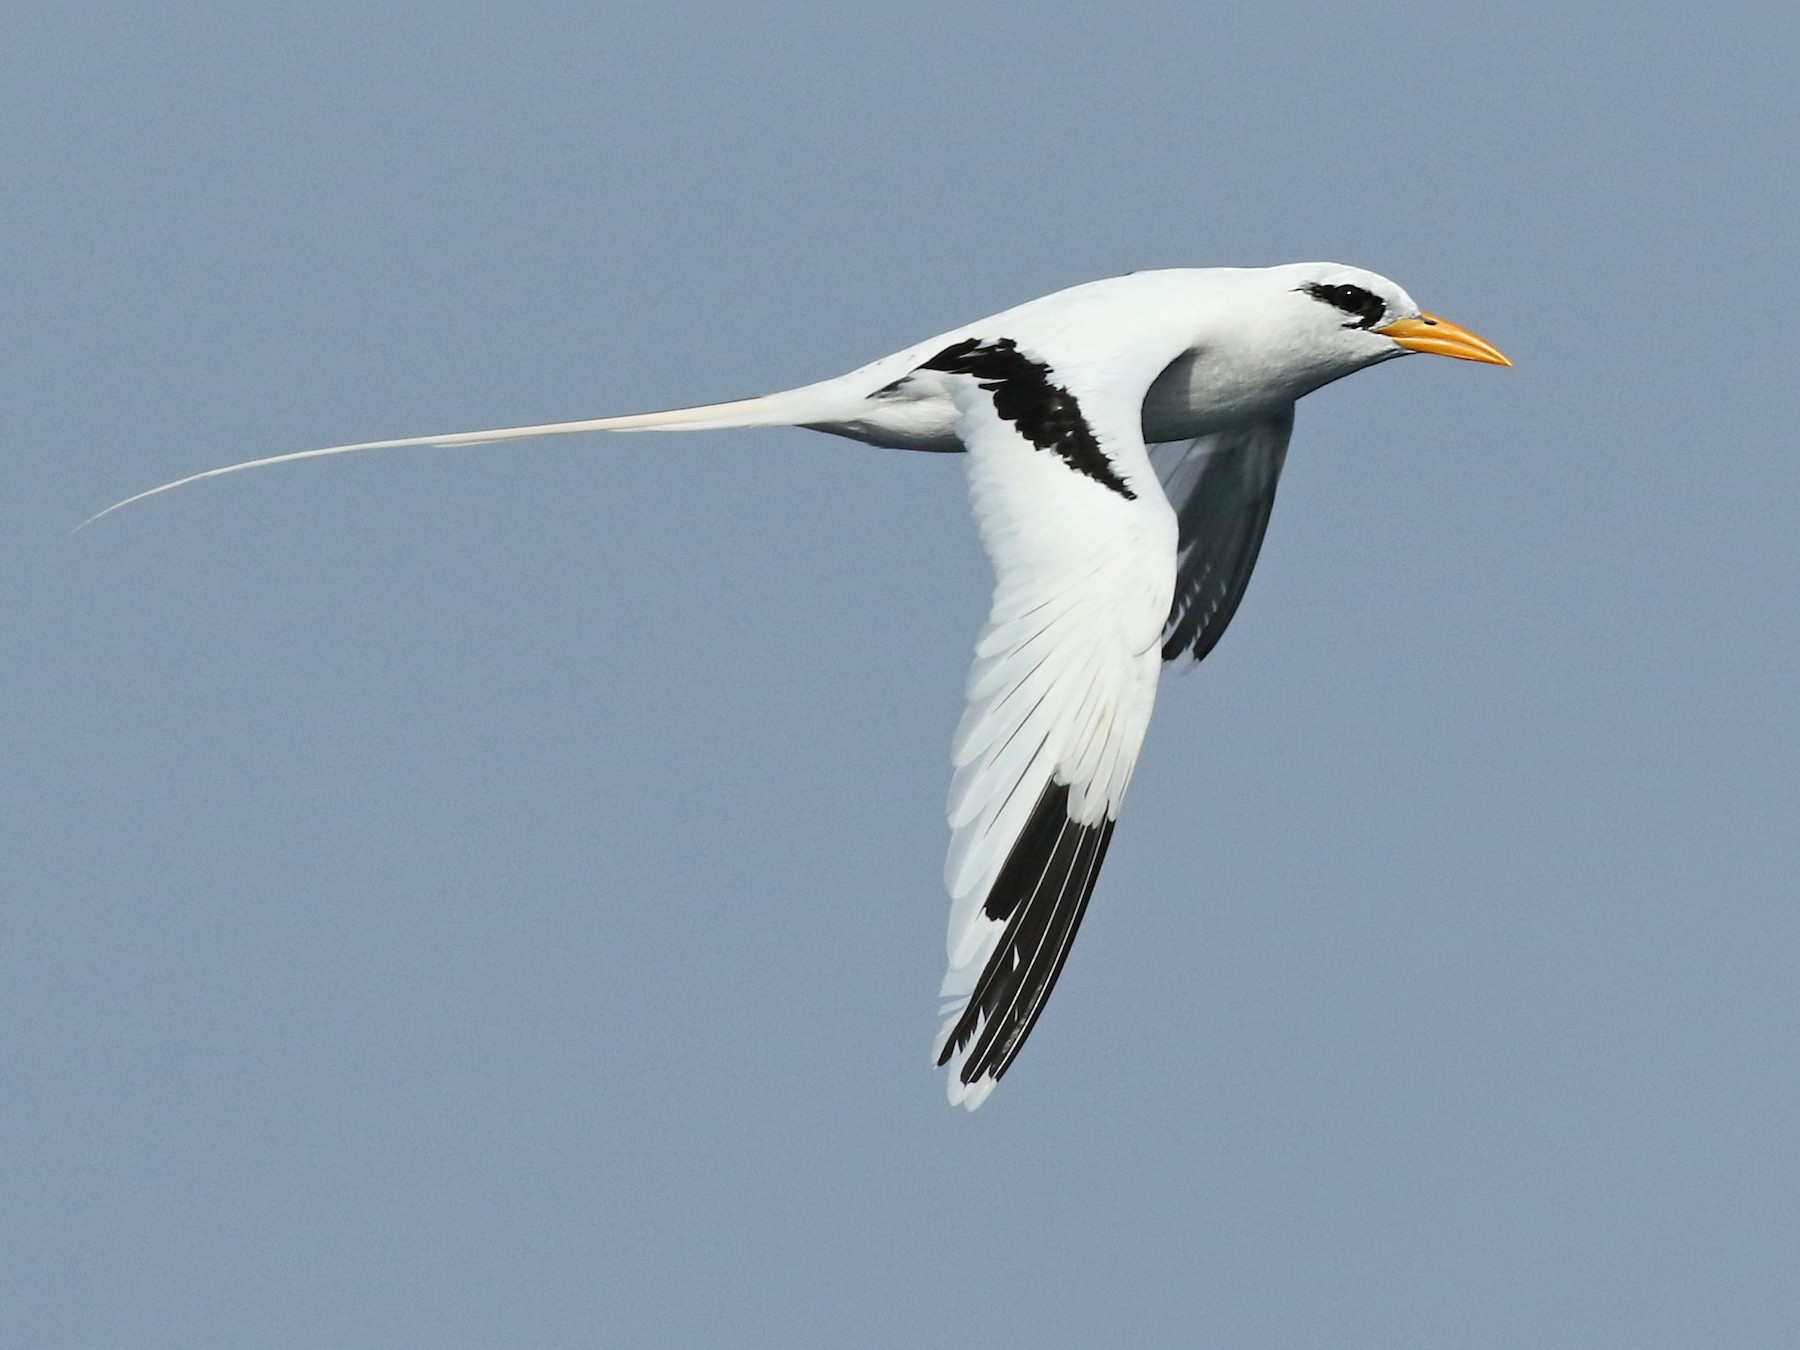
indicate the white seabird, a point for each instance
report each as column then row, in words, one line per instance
column 1124, row 440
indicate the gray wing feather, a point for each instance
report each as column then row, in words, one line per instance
column 1222, row 488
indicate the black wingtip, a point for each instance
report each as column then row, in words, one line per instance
column 1042, row 893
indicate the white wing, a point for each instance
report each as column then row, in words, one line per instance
column 1083, row 545
column 1222, row 488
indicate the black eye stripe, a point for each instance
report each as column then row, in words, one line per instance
column 1364, row 306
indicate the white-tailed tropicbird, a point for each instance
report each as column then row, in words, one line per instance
column 1124, row 442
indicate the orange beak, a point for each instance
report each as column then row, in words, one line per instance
column 1428, row 333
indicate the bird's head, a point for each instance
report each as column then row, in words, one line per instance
column 1358, row 318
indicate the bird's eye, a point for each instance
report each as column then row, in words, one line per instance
column 1365, row 307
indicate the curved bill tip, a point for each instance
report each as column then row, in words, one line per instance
column 1440, row 337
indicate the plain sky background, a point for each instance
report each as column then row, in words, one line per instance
column 491, row 898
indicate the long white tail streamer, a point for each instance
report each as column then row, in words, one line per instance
column 769, row 410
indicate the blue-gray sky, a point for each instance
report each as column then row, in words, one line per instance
column 491, row 898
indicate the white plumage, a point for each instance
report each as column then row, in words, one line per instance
column 1125, row 438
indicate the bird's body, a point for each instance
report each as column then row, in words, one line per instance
column 1125, row 439
column 1212, row 370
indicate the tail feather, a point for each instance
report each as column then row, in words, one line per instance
column 790, row 407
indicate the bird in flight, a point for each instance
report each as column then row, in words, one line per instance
column 1124, row 441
